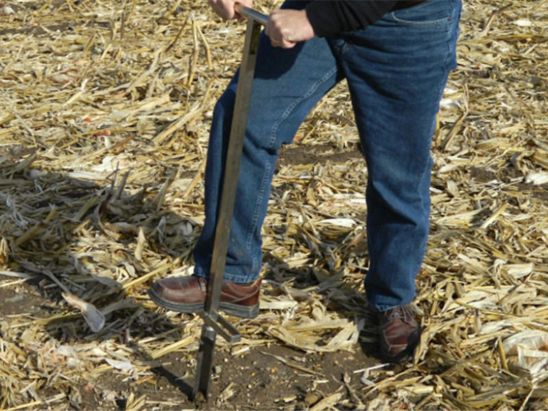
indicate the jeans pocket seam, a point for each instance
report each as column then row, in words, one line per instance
column 421, row 24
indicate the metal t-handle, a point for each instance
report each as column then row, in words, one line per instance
column 251, row 14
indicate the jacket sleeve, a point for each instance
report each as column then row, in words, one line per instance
column 332, row 17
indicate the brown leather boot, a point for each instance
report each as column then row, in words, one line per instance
column 188, row 294
column 399, row 333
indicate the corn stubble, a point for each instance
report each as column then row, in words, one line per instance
column 104, row 115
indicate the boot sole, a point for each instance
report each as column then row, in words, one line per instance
column 230, row 308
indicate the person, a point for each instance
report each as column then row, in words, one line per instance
column 396, row 57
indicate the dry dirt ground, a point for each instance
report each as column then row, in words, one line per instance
column 104, row 113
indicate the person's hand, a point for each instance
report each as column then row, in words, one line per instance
column 225, row 8
column 288, row 27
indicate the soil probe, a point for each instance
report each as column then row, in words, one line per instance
column 213, row 323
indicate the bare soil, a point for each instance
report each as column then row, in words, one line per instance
column 261, row 378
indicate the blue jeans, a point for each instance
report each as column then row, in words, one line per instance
column 396, row 71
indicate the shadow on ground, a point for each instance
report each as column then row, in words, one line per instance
column 55, row 228
column 96, row 240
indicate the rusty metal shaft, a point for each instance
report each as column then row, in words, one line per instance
column 213, row 323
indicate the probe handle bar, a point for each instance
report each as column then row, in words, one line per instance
column 251, row 14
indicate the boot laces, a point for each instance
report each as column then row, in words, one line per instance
column 403, row 312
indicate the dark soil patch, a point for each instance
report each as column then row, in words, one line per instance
column 255, row 380
column 20, row 300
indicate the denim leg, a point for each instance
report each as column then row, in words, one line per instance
column 288, row 83
column 397, row 70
